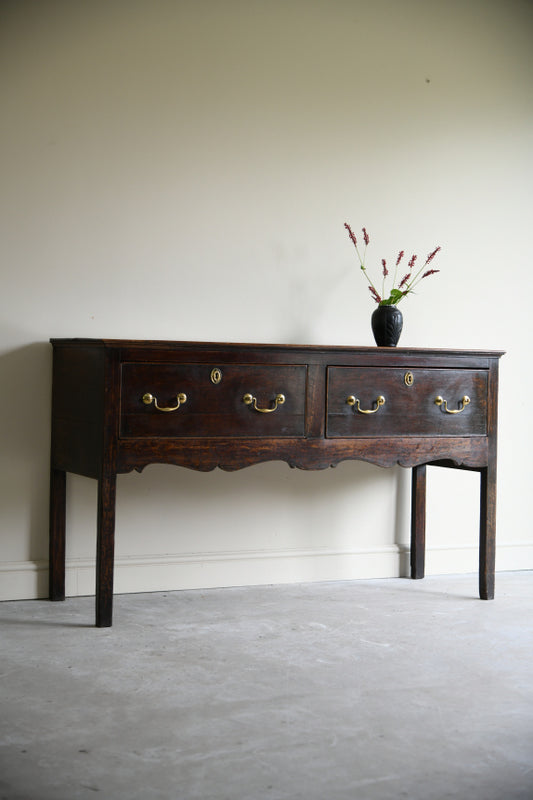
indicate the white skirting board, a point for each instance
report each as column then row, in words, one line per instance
column 22, row 580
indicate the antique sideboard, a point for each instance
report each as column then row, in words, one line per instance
column 119, row 405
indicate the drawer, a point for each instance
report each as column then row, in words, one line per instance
column 221, row 400
column 370, row 401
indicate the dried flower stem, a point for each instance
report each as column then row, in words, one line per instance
column 400, row 256
column 410, row 286
column 385, row 273
column 366, row 238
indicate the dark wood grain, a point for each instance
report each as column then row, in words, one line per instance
column 408, row 410
column 101, row 427
column 212, row 410
column 232, row 454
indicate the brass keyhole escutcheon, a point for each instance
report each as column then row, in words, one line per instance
column 216, row 375
column 408, row 378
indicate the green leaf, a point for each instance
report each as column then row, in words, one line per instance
column 394, row 297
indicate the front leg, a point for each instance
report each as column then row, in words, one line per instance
column 487, row 532
column 58, row 480
column 418, row 521
column 105, row 550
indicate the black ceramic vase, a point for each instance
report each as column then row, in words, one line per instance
column 387, row 324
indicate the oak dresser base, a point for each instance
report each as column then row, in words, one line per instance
column 119, row 405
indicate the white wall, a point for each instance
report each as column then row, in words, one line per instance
column 183, row 169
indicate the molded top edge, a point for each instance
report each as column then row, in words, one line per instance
column 186, row 345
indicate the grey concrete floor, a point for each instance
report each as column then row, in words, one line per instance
column 358, row 690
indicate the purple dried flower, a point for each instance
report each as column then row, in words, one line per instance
column 404, row 280
column 429, row 272
column 432, row 255
column 365, row 236
column 400, row 256
column 351, row 233
column 412, row 262
column 385, row 270
column 374, row 294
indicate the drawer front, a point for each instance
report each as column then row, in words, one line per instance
column 370, row 401
column 221, row 400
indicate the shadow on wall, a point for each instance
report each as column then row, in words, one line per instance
column 26, row 401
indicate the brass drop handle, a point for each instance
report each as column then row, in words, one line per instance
column 148, row 398
column 354, row 401
column 250, row 400
column 439, row 401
